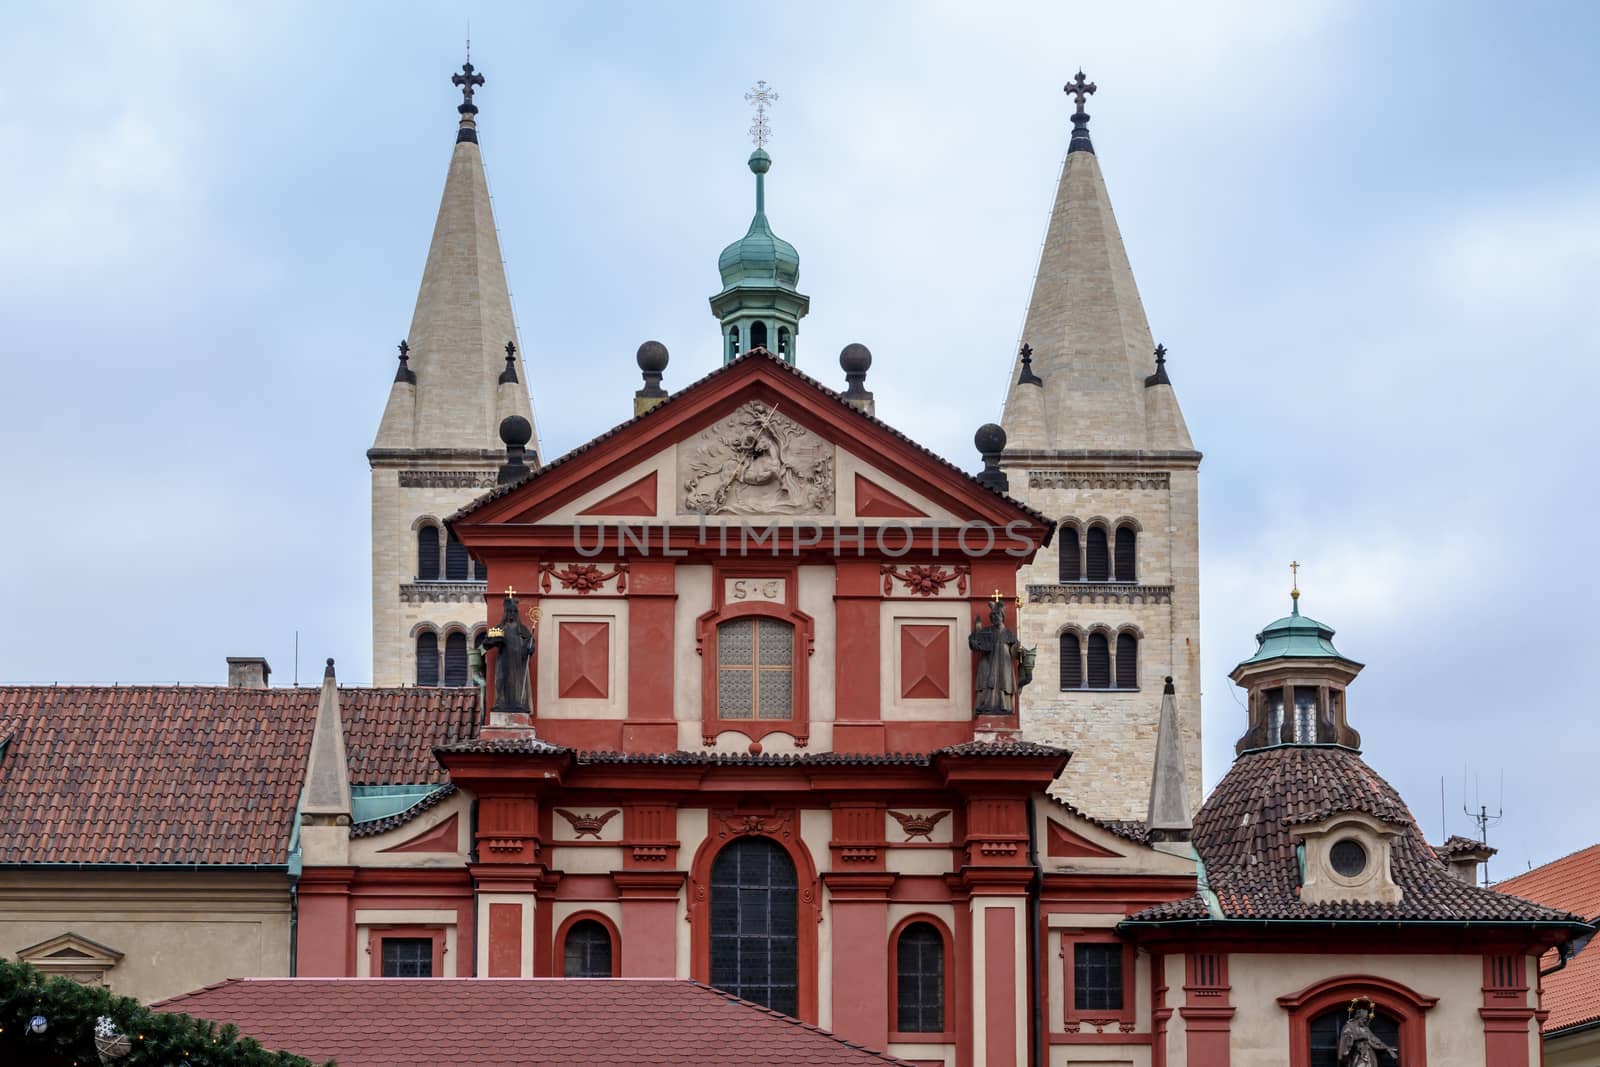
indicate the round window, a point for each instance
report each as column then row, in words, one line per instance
column 1348, row 857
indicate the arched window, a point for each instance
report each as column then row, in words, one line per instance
column 1071, row 662
column 1099, row 560
column 587, row 950
column 480, row 573
column 1127, row 661
column 428, row 553
column 919, row 980
column 1325, row 1035
column 758, row 335
column 1126, row 540
column 783, row 341
column 1071, row 554
column 733, row 341
column 755, row 669
column 455, row 560
column 427, row 658
column 1099, row 661
column 755, row 929
column 455, row 659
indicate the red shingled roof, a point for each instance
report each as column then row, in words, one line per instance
column 381, row 1022
column 1572, row 883
column 193, row 774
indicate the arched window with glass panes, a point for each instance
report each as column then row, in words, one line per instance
column 755, row 924
column 455, row 659
column 919, row 979
column 587, row 951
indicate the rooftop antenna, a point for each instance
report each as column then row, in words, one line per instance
column 297, row 658
column 1482, row 817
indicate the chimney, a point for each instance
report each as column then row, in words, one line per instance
column 652, row 360
column 856, row 359
column 247, row 672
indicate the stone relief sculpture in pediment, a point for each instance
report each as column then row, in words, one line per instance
column 756, row 461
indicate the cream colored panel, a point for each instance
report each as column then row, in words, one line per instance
column 851, row 465
column 892, row 615
column 555, row 611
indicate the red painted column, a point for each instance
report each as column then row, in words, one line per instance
column 1207, row 1014
column 1505, row 1012
column 325, row 937
column 861, row 954
column 1000, row 987
column 858, row 715
column 650, row 918
column 652, row 603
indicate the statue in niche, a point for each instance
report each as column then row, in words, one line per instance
column 516, row 642
column 997, row 670
column 757, row 462
column 1358, row 1045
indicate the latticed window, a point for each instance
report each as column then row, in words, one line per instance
column 1325, row 1035
column 1096, row 977
column 455, row 560
column 919, row 980
column 755, row 669
column 428, row 658
column 1126, row 539
column 1099, row 662
column 408, row 957
column 755, row 936
column 1127, row 661
column 588, row 950
column 1098, row 555
column 427, row 553
column 1071, row 662
column 1071, row 569
column 455, row 659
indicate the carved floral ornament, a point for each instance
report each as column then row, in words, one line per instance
column 778, row 824
column 925, row 579
column 583, row 578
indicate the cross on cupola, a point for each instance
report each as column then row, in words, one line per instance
column 1081, row 89
column 761, row 97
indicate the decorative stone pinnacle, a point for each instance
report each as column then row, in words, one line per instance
column 1027, row 377
column 510, row 372
column 404, row 373
column 1160, row 376
column 761, row 98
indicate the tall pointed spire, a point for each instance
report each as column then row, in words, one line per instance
column 1168, row 818
column 1091, row 344
column 327, row 788
column 463, row 319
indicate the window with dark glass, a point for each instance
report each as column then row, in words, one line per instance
column 1071, row 569
column 588, row 950
column 1127, row 661
column 455, row 659
column 1071, row 662
column 1125, row 553
column 755, row 935
column 919, row 980
column 755, row 669
column 783, row 340
column 428, row 658
column 427, row 553
column 1098, row 557
column 455, row 560
column 1096, row 977
column 1274, row 699
column 1325, row 1035
column 408, row 957
column 1099, row 662
column 1348, row 857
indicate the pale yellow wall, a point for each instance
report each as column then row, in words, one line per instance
column 1579, row 1050
column 176, row 931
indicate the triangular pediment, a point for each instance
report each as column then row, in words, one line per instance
column 69, row 950
column 1072, row 841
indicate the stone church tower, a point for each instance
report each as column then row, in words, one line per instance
column 438, row 446
column 1095, row 440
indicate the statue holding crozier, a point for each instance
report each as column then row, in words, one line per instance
column 516, row 644
column 1358, row 1045
column 997, row 670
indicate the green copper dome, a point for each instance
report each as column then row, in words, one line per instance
column 1295, row 636
column 760, row 256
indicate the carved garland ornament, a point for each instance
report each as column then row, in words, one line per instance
column 925, row 579
column 585, row 578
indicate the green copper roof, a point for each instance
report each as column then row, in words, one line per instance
column 760, row 257
column 1295, row 636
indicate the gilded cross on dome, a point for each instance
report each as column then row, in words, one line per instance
column 761, row 98
column 1081, row 89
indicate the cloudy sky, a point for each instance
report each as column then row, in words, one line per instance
column 1369, row 234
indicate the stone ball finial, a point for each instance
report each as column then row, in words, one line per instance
column 855, row 358
column 328, row 671
column 652, row 357
column 990, row 438
column 516, row 431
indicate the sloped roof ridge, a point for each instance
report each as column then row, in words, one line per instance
column 758, row 353
column 1131, row 829
column 790, row 1019
column 373, row 827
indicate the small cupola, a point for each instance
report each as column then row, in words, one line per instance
column 1296, row 683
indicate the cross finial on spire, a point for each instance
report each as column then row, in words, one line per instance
column 468, row 81
column 1160, row 376
column 761, row 98
column 1081, row 89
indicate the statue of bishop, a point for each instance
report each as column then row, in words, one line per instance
column 997, row 670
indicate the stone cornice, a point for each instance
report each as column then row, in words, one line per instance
column 441, row 592
column 448, row 479
column 415, row 457
column 1099, row 593
column 1082, row 457
column 1099, row 479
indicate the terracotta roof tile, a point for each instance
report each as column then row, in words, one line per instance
column 969, row 749
column 1572, row 883
column 479, row 1022
column 193, row 774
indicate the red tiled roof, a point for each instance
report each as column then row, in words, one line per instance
column 1572, row 883
column 466, row 1022
column 193, row 774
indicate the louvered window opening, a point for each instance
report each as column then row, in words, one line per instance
column 587, row 953
column 480, row 573
column 428, row 659
column 1071, row 569
column 408, row 957
column 428, row 554
column 455, row 659
column 755, row 669
column 919, row 980
column 1096, row 977
column 1071, row 662
column 1099, row 662
column 1325, row 1035
column 1126, row 540
column 455, row 560
column 1098, row 556
column 755, row 936
column 1127, row 661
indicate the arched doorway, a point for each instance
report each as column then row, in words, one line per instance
column 754, row 929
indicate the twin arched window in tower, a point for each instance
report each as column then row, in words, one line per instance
column 1097, row 551
column 1099, row 658
column 440, row 557
column 442, row 658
